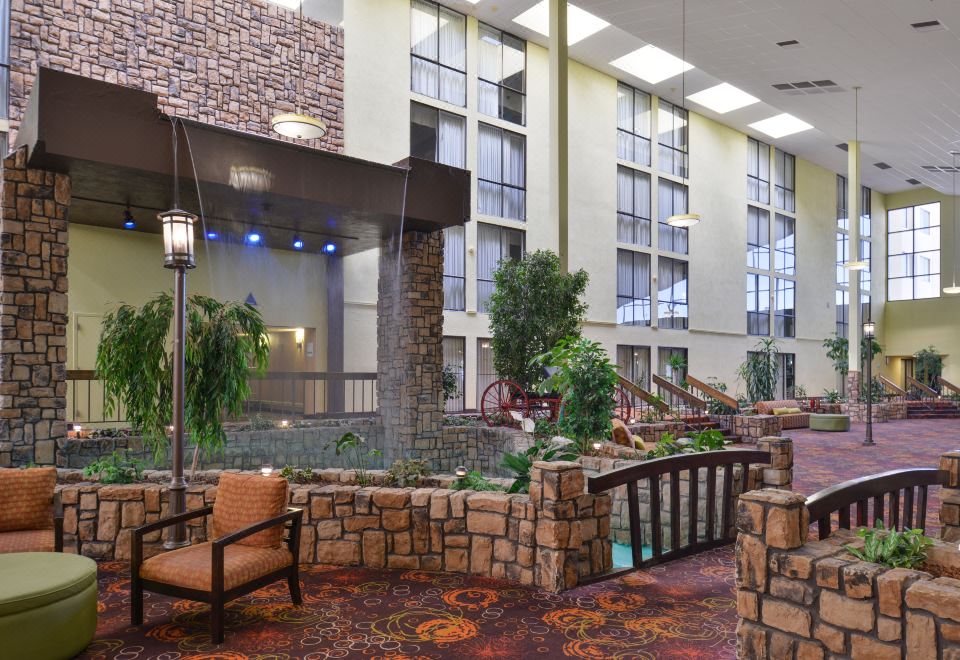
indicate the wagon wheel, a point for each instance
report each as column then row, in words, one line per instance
column 499, row 400
column 622, row 409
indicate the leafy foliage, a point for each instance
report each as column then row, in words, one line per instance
column 761, row 370
column 297, row 476
column 542, row 450
column 838, row 352
column 586, row 380
column 714, row 406
column 451, row 382
column 474, row 481
column 223, row 342
column 116, row 468
column 832, row 396
column 533, row 306
column 353, row 448
column 874, row 391
column 906, row 549
column 799, row 392
column 928, row 367
column 693, row 443
column 406, row 472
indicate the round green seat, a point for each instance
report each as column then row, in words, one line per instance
column 48, row 604
column 827, row 422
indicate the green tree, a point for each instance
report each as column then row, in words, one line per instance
column 928, row 367
column 761, row 370
column 533, row 306
column 134, row 360
column 838, row 352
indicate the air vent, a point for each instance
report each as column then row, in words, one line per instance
column 882, row 166
column 783, row 86
column 824, row 83
column 808, row 87
column 789, row 43
column 913, row 182
column 842, row 146
column 928, row 26
column 948, row 169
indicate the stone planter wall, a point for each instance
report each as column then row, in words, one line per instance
column 882, row 412
column 553, row 537
column 651, row 433
column 751, row 428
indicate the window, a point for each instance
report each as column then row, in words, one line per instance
column 454, row 361
column 633, row 288
column 672, row 305
column 4, row 70
column 486, row 374
column 787, row 383
column 501, row 173
column 672, row 127
column 758, row 171
column 634, row 363
column 785, row 245
column 758, row 305
column 866, row 211
column 672, row 201
column 675, row 376
column 758, row 238
column 785, row 308
column 913, row 252
column 866, row 247
column 843, row 255
column 843, row 312
column 437, row 135
column 633, row 125
column 842, row 222
column 454, row 270
column 494, row 243
column 438, row 52
column 784, row 196
column 502, row 75
column 633, row 206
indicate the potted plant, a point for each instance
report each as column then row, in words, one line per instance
column 761, row 370
column 928, row 367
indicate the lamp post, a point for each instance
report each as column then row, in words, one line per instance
column 869, row 332
column 178, row 256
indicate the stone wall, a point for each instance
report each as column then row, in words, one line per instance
column 229, row 62
column 751, row 428
column 478, row 448
column 33, row 312
column 882, row 412
column 554, row 537
column 799, row 598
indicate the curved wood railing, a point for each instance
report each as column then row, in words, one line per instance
column 901, row 512
column 890, row 387
column 652, row 472
column 678, row 392
column 948, row 386
column 712, row 392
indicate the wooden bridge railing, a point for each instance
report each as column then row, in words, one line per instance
column 681, row 542
column 690, row 400
column 892, row 495
column 921, row 390
column 710, row 392
column 891, row 388
column 947, row 386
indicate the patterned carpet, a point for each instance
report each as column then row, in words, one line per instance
column 683, row 609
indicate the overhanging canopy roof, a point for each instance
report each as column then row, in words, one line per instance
column 117, row 148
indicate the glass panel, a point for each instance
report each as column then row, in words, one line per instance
column 423, row 131
column 454, row 361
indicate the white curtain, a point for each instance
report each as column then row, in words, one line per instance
column 454, row 269
column 453, row 54
column 489, row 69
column 488, row 255
column 633, row 288
column 489, row 169
column 452, row 147
column 514, row 174
column 423, row 43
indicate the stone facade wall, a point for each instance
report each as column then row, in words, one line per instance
column 33, row 312
column 882, row 412
column 812, row 599
column 229, row 62
column 751, row 428
column 853, row 386
column 478, row 448
column 651, row 433
column 409, row 345
column 553, row 537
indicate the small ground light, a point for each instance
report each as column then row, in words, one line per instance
column 329, row 248
column 597, row 445
column 298, row 244
column 128, row 221
column 266, row 469
column 212, row 235
column 461, row 471
column 284, row 423
column 253, row 238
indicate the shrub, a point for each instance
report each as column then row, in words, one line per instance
column 474, row 481
column 928, row 367
column 294, row 475
column 116, row 468
column 406, row 472
column 906, row 549
column 353, row 448
column 521, row 463
column 693, row 443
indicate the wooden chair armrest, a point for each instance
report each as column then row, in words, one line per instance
column 57, row 523
column 292, row 514
column 170, row 520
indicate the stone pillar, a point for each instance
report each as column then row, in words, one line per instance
column 779, row 473
column 410, row 346
column 33, row 312
column 853, row 382
column 950, row 497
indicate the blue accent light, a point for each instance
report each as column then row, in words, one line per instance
column 129, row 224
column 212, row 235
column 329, row 248
column 253, row 238
column 298, row 244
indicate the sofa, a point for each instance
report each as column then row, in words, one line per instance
column 31, row 518
column 800, row 420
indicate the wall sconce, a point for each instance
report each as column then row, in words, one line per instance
column 284, row 423
column 298, row 335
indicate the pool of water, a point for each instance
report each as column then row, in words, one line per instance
column 623, row 554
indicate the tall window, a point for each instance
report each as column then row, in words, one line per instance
column 672, row 201
column 672, row 129
column 784, row 197
column 843, row 256
column 438, row 135
column 866, row 211
column 785, row 308
column 843, row 312
column 913, row 252
column 494, row 243
column 4, row 69
column 758, row 304
column 672, row 303
column 674, row 375
column 842, row 215
column 438, row 52
column 785, row 245
column 758, row 171
column 486, row 374
column 633, row 206
column 633, row 288
column 454, row 270
column 758, row 238
column 454, row 361
column 502, row 75
column 866, row 249
column 787, row 383
column 501, row 173
column 633, row 125
column 634, row 363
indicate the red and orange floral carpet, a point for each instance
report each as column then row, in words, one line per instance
column 683, row 609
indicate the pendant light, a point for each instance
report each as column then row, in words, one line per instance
column 858, row 264
column 954, row 289
column 684, row 220
column 296, row 124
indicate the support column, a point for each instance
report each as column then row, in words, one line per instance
column 335, row 388
column 853, row 221
column 33, row 312
column 559, row 128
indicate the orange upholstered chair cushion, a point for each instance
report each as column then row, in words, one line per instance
column 26, row 498
column 246, row 499
column 192, row 567
column 27, row 540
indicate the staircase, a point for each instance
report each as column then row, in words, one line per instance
column 932, row 409
column 703, row 422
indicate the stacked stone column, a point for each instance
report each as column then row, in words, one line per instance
column 33, row 312
column 950, row 497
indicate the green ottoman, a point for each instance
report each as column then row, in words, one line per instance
column 823, row 422
column 48, row 604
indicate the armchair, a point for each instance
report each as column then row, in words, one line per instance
column 31, row 514
column 250, row 550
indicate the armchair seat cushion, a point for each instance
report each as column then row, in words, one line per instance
column 28, row 540
column 192, row 567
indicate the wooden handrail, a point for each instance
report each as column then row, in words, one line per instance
column 926, row 389
column 947, row 385
column 90, row 374
column 689, row 399
column 713, row 392
column 890, row 386
column 643, row 395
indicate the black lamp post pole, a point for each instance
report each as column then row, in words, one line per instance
column 868, row 441
column 178, row 485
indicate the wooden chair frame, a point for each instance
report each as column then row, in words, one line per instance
column 217, row 597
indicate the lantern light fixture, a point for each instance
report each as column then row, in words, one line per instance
column 869, row 329
column 178, row 238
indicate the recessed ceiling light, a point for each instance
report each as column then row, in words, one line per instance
column 580, row 24
column 781, row 125
column 287, row 4
column 723, row 98
column 651, row 64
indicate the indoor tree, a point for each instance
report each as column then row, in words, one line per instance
column 761, row 370
column 928, row 367
column 838, row 352
column 533, row 306
column 224, row 341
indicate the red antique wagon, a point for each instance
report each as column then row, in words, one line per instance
column 504, row 397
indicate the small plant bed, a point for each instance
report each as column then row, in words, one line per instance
column 692, row 443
